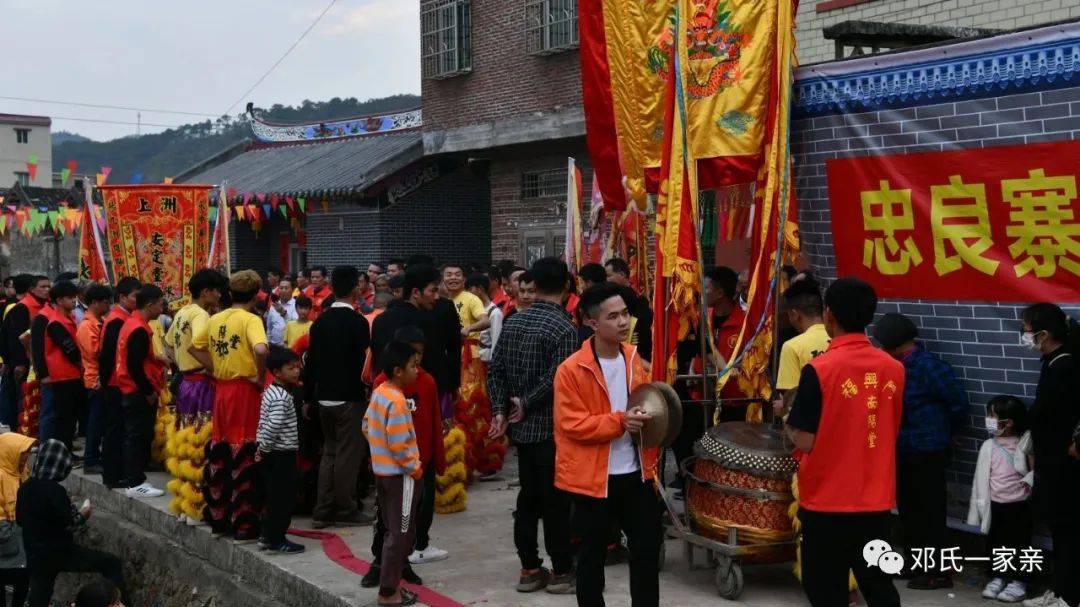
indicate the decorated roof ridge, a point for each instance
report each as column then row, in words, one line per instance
column 270, row 132
column 260, row 144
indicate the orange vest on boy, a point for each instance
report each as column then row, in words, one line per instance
column 852, row 465
column 117, row 313
column 152, row 367
column 59, row 365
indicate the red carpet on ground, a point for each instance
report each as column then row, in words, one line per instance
column 338, row 551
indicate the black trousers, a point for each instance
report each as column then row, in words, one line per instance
column 425, row 516
column 832, row 543
column 112, row 443
column 68, row 400
column 280, row 471
column 1010, row 527
column 538, row 499
column 19, row 580
column 633, row 505
column 1066, row 537
column 139, row 416
column 44, row 569
column 921, row 500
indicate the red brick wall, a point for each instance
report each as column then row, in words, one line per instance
column 509, row 213
column 505, row 80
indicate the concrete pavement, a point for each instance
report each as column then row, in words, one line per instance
column 482, row 568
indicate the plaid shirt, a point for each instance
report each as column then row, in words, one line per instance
column 935, row 403
column 531, row 347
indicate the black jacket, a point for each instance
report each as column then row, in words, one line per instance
column 43, row 510
column 16, row 322
column 1053, row 417
column 442, row 353
column 398, row 314
column 335, row 360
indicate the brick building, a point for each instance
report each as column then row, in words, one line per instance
column 370, row 194
column 1012, row 89
column 502, row 88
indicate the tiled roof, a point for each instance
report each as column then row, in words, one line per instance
column 338, row 166
column 24, row 120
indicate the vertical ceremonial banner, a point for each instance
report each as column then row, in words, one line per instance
column 624, row 106
column 91, row 265
column 678, row 265
column 219, row 246
column 994, row 224
column 158, row 233
column 572, row 254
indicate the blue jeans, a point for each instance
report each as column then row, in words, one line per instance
column 47, row 413
column 95, row 427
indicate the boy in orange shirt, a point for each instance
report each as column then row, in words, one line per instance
column 427, row 421
column 395, row 460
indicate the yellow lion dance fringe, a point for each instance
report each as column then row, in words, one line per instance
column 450, row 496
column 186, row 449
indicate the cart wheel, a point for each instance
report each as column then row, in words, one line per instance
column 729, row 578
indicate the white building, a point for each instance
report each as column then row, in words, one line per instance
column 20, row 138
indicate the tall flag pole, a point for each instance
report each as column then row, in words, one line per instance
column 91, row 252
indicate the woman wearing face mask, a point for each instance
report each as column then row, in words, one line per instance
column 1054, row 417
column 1000, row 493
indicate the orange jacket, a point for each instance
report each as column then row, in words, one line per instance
column 585, row 426
column 89, row 339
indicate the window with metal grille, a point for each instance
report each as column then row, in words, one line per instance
column 446, row 38
column 22, row 135
column 550, row 26
column 544, row 184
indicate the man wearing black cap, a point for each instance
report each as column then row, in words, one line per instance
column 935, row 408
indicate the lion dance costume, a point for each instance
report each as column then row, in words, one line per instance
column 188, row 438
column 472, row 412
column 450, row 495
column 28, row 417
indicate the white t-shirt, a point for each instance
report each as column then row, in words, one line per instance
column 622, row 458
column 489, row 337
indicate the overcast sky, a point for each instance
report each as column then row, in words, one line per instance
column 199, row 56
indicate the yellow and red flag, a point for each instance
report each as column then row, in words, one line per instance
column 91, row 263
column 678, row 257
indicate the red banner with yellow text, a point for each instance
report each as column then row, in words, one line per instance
column 158, row 233
column 995, row 224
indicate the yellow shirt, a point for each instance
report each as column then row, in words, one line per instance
column 157, row 337
column 797, row 352
column 189, row 321
column 231, row 337
column 470, row 310
column 294, row 330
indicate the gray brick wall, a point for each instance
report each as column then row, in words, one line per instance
column 979, row 339
column 250, row 250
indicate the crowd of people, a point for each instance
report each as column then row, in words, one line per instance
column 311, row 391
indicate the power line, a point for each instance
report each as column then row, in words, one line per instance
column 282, row 58
column 106, row 106
column 98, row 120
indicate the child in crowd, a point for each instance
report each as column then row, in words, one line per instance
column 1000, row 493
column 395, row 460
column 294, row 329
column 278, row 443
column 427, row 421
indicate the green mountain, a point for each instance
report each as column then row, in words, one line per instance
column 169, row 152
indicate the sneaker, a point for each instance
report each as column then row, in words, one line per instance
column 430, row 554
column 531, row 581
column 371, row 578
column 287, row 547
column 410, row 576
column 1048, row 599
column 565, row 583
column 994, row 588
column 360, row 519
column 144, row 490
column 1014, row 593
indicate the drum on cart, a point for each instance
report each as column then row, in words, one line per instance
column 738, row 484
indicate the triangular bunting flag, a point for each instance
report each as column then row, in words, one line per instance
column 72, row 165
column 100, row 179
column 231, row 193
column 266, row 211
column 290, row 202
column 65, row 174
column 168, row 180
column 284, row 211
column 105, row 171
column 213, row 214
column 325, row 206
column 303, row 204
column 136, row 177
column 260, row 196
column 247, row 197
column 239, row 212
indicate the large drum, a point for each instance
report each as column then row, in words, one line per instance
column 740, row 478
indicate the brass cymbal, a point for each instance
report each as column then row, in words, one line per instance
column 664, row 408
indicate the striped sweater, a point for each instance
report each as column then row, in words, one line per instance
column 277, row 429
column 391, row 436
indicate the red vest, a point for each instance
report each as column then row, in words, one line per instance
column 117, row 313
column 152, row 367
column 60, row 366
column 852, row 466
column 32, row 304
